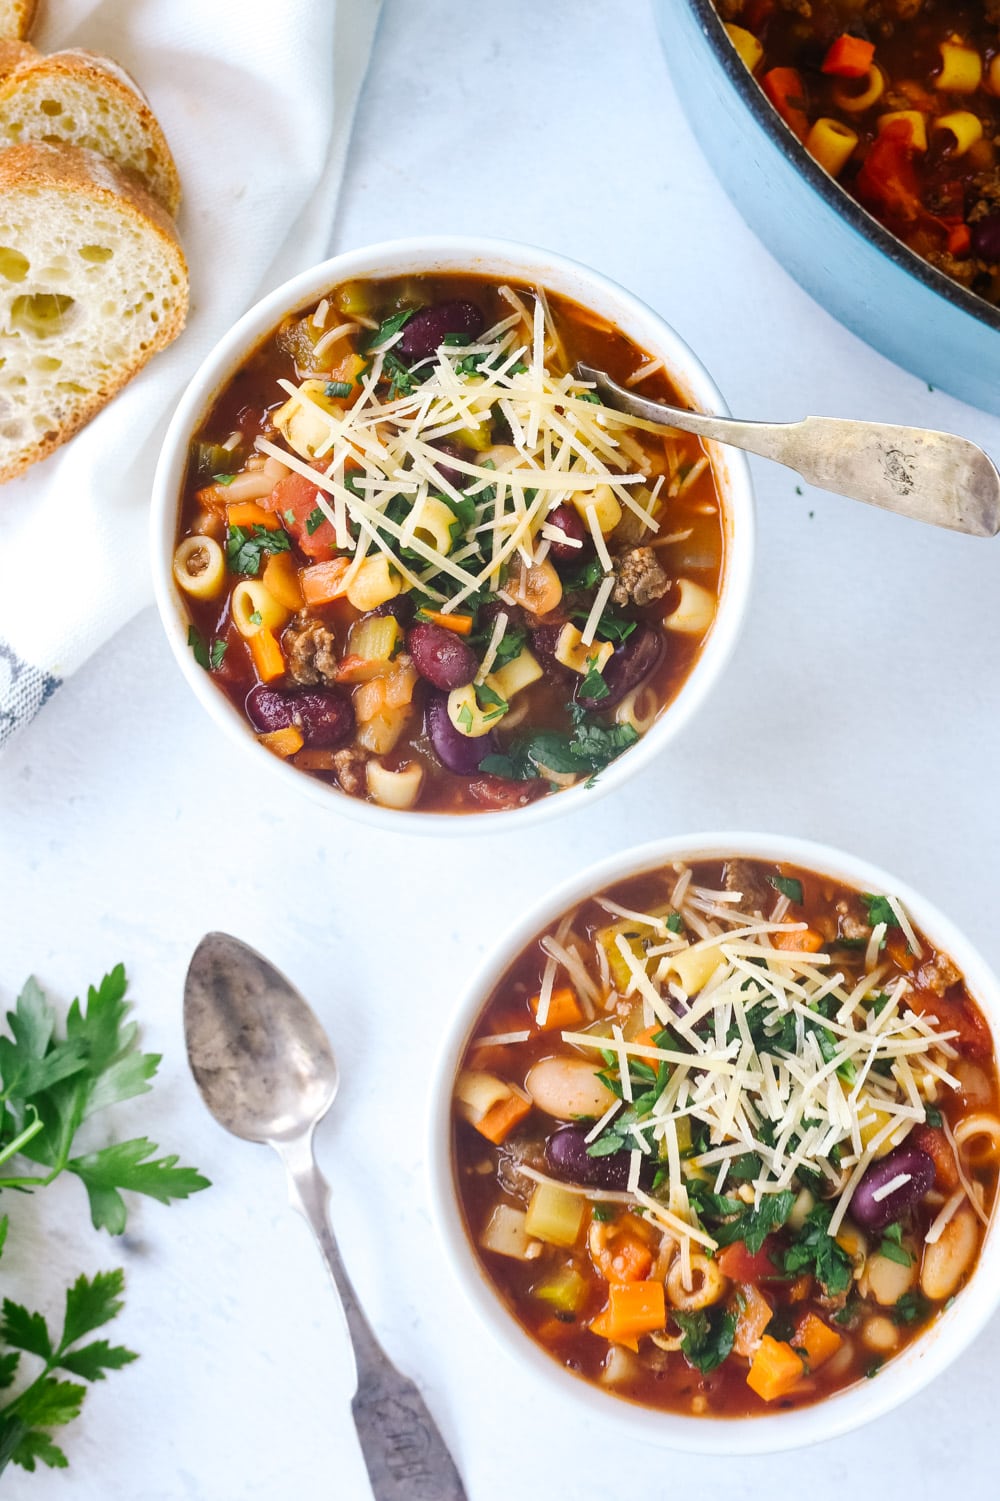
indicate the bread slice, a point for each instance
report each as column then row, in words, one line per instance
column 83, row 99
column 13, row 54
column 92, row 283
column 16, row 17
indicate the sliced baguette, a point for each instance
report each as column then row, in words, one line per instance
column 16, row 17
column 14, row 54
column 82, row 99
column 92, row 283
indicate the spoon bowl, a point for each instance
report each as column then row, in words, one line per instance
column 263, row 1063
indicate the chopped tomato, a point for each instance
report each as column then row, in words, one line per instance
column 954, row 1016
column 849, row 57
column 887, row 181
column 294, row 500
column 499, row 792
column 741, row 1265
column 934, row 1142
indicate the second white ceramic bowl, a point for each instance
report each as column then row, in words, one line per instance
column 496, row 259
column 904, row 1374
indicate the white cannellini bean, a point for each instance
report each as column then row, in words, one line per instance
column 887, row 1280
column 567, row 1088
column 880, row 1333
column 947, row 1261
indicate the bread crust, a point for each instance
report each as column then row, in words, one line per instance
column 102, row 75
column 34, row 169
column 22, row 17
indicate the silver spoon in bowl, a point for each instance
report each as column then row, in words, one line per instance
column 931, row 476
column 267, row 1073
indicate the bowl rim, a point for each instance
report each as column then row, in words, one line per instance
column 906, row 1373
column 527, row 262
column 829, row 189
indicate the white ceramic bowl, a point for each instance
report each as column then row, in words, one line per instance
column 490, row 258
column 905, row 1373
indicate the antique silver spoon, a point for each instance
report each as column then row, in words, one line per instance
column 931, row 476
column 267, row 1073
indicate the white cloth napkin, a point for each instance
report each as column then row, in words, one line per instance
column 256, row 100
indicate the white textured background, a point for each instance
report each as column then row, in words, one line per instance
column 860, row 709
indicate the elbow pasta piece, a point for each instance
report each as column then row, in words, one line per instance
column 468, row 717
column 855, row 97
column 638, row 709
column 395, row 789
column 374, row 583
column 966, row 128
column 200, row 567
column 694, row 611
column 253, row 608
column 831, row 144
column 432, row 523
column 961, row 69
column 708, row 1284
column 979, row 1134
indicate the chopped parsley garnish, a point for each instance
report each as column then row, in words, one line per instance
column 589, row 747
column 603, row 1212
column 610, row 627
column 207, row 657
column 223, row 479
column 815, row 1251
column 593, row 685
column 492, row 704
column 788, row 886
column 590, row 396
column 753, row 1226
column 256, row 618
column 401, row 378
column 586, row 576
column 314, row 520
column 245, row 547
column 892, row 1247
column 910, row 1308
column 335, row 389
column 385, row 330
column 457, row 341
column 708, row 1337
column 675, row 923
column 879, row 910
column 933, row 1117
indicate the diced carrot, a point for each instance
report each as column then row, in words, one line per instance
column 785, row 89
column 323, row 582
column 281, row 578
column 564, row 1009
column 249, row 513
column 625, row 1255
column 754, row 1315
column 775, row 1369
column 819, row 1341
column 460, row 624
column 740, row 1265
column 553, row 1329
column 283, row 742
column 213, row 498
column 347, row 372
column 934, row 1142
column 805, row 941
column 634, row 1309
column 849, row 57
column 500, row 1120
column 268, row 658
column 647, row 1039
column 602, row 1326
column 799, row 1290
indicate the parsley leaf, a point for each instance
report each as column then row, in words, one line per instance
column 385, row 330
column 593, row 685
column 892, row 1247
column 197, row 644
column 335, row 389
column 708, row 1337
column 788, row 886
column 910, row 1308
column 753, row 1226
column 815, row 1251
column 933, row 1117
column 879, row 910
column 314, row 520
column 244, row 547
column 217, row 652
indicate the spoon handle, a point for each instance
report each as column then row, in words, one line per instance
column 930, row 476
column 404, row 1451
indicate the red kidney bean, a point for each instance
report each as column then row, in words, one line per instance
column 874, row 1214
column 325, row 717
column 400, row 608
column 634, row 660
column 544, row 640
column 567, row 1158
column 426, row 330
column 440, row 656
column 454, row 477
column 461, row 753
column 566, row 520
column 986, row 237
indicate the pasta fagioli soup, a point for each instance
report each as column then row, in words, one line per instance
column 726, row 1137
column 423, row 560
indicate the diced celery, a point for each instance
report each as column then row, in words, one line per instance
column 566, row 1291
column 376, row 638
column 621, row 977
column 555, row 1215
column 478, row 438
column 354, row 297
column 210, row 459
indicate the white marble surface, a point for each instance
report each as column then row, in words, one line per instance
column 860, row 709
